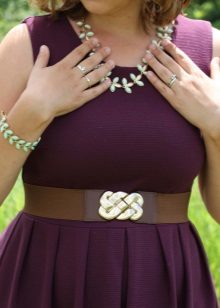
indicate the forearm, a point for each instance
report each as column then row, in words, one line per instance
column 210, row 178
column 27, row 124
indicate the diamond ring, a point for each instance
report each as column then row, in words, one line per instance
column 171, row 81
column 82, row 69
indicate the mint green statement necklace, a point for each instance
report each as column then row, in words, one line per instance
column 162, row 33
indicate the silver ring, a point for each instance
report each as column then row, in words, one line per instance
column 82, row 69
column 172, row 81
column 88, row 81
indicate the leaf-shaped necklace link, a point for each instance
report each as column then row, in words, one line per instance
column 161, row 32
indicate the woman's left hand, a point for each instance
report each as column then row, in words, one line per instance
column 193, row 94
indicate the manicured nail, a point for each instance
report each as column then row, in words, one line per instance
column 108, row 81
column 165, row 42
column 107, row 50
column 111, row 62
column 95, row 42
column 149, row 74
column 42, row 48
column 148, row 54
column 153, row 46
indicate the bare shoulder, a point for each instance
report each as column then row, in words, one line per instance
column 16, row 63
column 216, row 42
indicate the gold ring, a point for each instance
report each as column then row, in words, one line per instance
column 88, row 81
column 172, row 81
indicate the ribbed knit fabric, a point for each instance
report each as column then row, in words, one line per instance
column 114, row 142
column 119, row 141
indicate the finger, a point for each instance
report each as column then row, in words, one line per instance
column 93, row 61
column 97, row 74
column 158, row 68
column 75, row 56
column 93, row 92
column 215, row 68
column 180, row 57
column 160, row 85
column 167, row 60
column 43, row 57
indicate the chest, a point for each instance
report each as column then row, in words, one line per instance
column 119, row 141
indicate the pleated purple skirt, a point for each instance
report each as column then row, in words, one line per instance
column 57, row 263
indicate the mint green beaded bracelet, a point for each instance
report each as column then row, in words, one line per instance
column 9, row 135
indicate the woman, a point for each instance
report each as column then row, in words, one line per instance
column 114, row 152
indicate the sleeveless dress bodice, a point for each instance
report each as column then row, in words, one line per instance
column 118, row 141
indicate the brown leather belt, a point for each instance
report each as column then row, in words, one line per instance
column 84, row 204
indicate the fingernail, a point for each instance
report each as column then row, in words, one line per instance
column 111, row 62
column 95, row 42
column 108, row 81
column 107, row 50
column 148, row 54
column 165, row 42
column 153, row 46
column 149, row 74
column 42, row 48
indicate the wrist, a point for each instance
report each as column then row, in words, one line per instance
column 12, row 138
column 34, row 109
column 26, row 121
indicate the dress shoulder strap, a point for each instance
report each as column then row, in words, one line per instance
column 195, row 38
column 55, row 34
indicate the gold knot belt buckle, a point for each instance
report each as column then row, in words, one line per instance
column 105, row 205
column 121, row 205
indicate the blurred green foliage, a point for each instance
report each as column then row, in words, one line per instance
column 208, row 10
column 12, row 12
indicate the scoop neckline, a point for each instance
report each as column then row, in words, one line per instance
column 117, row 67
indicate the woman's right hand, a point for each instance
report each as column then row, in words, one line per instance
column 62, row 87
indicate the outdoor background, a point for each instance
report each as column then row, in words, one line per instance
column 11, row 13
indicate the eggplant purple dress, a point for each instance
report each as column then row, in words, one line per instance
column 117, row 141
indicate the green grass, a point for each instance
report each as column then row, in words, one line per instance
column 13, row 203
column 209, row 232
column 208, row 229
